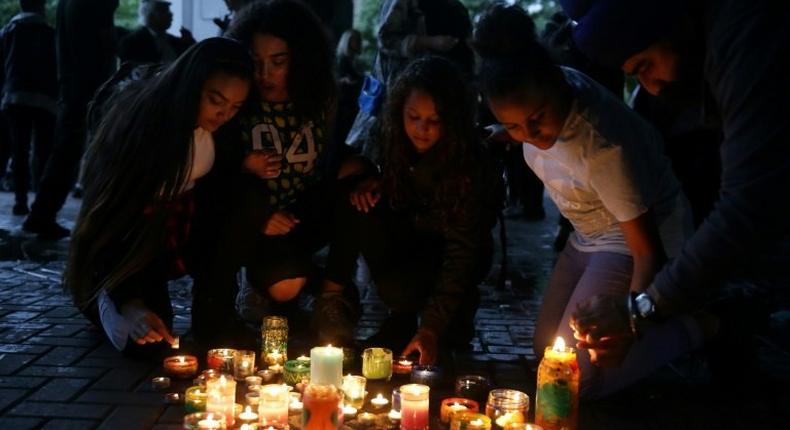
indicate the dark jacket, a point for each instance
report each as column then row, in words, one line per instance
column 747, row 50
column 465, row 232
column 140, row 47
column 85, row 43
column 28, row 70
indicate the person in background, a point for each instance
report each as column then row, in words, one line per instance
column 730, row 58
column 233, row 7
column 151, row 43
column 85, row 49
column 423, row 225
column 151, row 149
column 349, row 79
column 29, row 92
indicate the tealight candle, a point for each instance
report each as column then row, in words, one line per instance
column 349, row 412
column 195, row 399
column 475, row 387
column 379, row 401
column 204, row 420
column 557, row 394
column 253, row 380
column 248, row 416
column 402, row 366
column 470, row 421
column 367, row 418
column 160, row 382
column 181, row 366
column 394, row 416
column 220, row 359
column 377, row 363
column 414, row 407
column 456, row 404
column 326, row 366
column 253, row 398
column 173, row 398
column 354, row 389
column 221, row 397
column 266, row 375
column 304, row 359
column 295, row 406
column 426, row 375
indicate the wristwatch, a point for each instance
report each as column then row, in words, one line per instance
column 640, row 307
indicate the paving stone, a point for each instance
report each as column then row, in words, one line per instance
column 19, row 423
column 21, row 381
column 21, row 316
column 60, row 389
column 62, row 341
column 123, row 379
column 63, row 330
column 61, row 424
column 496, row 338
column 59, row 410
column 62, row 312
column 122, row 397
column 173, row 414
column 61, row 356
column 496, row 349
column 10, row 363
column 132, row 418
column 17, row 335
column 167, row 427
column 8, row 396
column 20, row 348
column 62, row 371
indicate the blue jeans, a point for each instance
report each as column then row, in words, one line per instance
column 581, row 275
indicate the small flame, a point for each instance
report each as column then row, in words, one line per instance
column 181, row 359
column 559, row 344
column 248, row 409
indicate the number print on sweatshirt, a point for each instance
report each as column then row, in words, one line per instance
column 294, row 154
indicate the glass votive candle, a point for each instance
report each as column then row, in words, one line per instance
column 354, row 390
column 470, row 421
column 379, row 402
column 274, row 340
column 505, row 406
column 195, row 399
column 475, row 387
column 366, row 418
column 321, row 405
column 394, row 416
column 396, row 399
column 402, row 366
column 243, row 364
column 273, row 406
column 220, row 359
column 296, row 371
column 414, row 407
column 253, row 398
column 266, row 375
column 204, row 376
column 455, row 405
column 247, row 416
column 426, row 375
column 349, row 412
column 204, row 420
column 181, row 366
column 377, row 363
column 221, row 397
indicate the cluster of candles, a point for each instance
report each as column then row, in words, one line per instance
column 327, row 397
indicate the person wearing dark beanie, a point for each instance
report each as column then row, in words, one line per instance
column 731, row 58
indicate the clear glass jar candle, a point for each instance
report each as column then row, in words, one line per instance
column 204, row 421
column 243, row 364
column 354, row 390
column 273, row 405
column 507, row 406
column 274, row 340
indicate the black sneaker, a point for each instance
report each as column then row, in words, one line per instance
column 335, row 319
column 20, row 209
column 46, row 230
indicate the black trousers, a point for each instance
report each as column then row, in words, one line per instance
column 404, row 263
column 63, row 165
column 24, row 122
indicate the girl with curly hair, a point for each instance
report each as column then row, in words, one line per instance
column 423, row 225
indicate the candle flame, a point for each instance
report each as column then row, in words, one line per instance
column 380, row 396
column 477, row 422
column 559, row 344
column 222, row 380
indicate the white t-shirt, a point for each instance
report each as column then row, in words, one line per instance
column 202, row 156
column 606, row 167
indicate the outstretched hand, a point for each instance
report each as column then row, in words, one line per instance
column 366, row 195
column 144, row 325
column 601, row 325
column 426, row 344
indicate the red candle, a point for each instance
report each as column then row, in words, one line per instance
column 456, row 404
column 181, row 366
column 402, row 366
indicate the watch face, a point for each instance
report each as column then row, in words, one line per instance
column 644, row 304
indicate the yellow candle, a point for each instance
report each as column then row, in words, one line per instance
column 557, row 397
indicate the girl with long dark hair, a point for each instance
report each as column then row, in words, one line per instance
column 424, row 224
column 606, row 170
column 154, row 143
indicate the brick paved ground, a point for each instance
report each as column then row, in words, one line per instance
column 57, row 373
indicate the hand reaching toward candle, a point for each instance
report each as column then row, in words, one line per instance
column 144, row 325
column 602, row 326
column 366, row 195
column 426, row 344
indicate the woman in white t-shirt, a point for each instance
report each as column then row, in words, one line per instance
column 152, row 145
column 605, row 169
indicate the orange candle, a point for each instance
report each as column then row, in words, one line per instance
column 181, row 366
